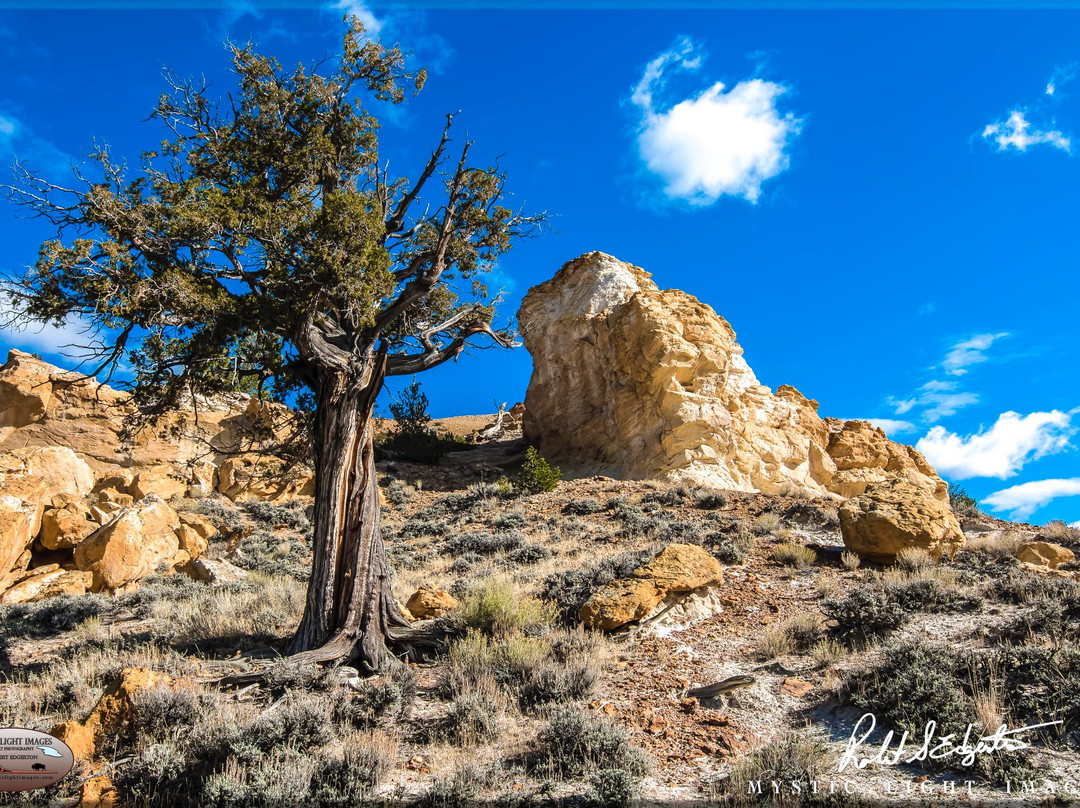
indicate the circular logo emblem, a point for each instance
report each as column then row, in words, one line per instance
column 31, row 759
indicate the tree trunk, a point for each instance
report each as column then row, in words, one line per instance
column 350, row 612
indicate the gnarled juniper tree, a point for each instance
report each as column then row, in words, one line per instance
column 264, row 236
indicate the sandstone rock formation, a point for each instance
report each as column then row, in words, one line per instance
column 635, row 382
column 894, row 515
column 677, row 568
column 82, row 498
column 42, row 405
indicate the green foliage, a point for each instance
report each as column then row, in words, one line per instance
column 261, row 246
column 413, row 437
column 963, row 504
column 536, row 475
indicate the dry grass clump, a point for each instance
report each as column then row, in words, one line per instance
column 794, row 555
column 262, row 609
column 796, row 635
column 796, row 757
column 850, row 561
column 766, row 523
column 1057, row 530
column 827, row 651
column 996, row 543
column 913, row 559
column 495, row 606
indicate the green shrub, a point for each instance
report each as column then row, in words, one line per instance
column 865, row 614
column 582, row 507
column 612, row 787
column 570, row 589
column 412, row 437
column 497, row 607
column 536, row 476
column 963, row 504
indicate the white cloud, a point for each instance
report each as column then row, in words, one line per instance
column 1017, row 133
column 7, row 127
column 1000, row 451
column 969, row 352
column 939, row 398
column 892, row 426
column 1023, row 500
column 358, row 9
column 19, row 331
column 715, row 143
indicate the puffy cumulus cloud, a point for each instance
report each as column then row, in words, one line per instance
column 969, row 352
column 1000, row 451
column 1016, row 132
column 1023, row 500
column 360, row 10
column 716, row 143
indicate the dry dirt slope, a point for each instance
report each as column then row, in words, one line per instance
column 526, row 708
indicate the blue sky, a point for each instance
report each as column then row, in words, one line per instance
column 884, row 204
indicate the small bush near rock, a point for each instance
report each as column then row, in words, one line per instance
column 766, row 523
column 612, row 787
column 536, row 475
column 576, row 743
column 294, row 515
column 399, row 493
column 963, row 504
column 497, row 607
column 709, row 499
column 1057, row 530
column 850, row 561
column 509, row 520
column 583, row 507
column 570, row 589
column 913, row 559
column 794, row 555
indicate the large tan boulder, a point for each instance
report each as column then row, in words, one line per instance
column 894, row 515
column 31, row 480
column 677, row 568
column 63, row 528
column 430, row 601
column 161, row 481
column 617, row 603
column 1044, row 554
column 253, row 477
column 635, row 382
column 131, row 546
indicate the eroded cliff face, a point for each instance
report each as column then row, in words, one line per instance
column 635, row 382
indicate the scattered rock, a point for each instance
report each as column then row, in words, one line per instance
column 796, row 687
column 1044, row 554
column 98, row 792
column 430, row 601
column 635, row 382
column 160, row 481
column 893, row 515
column 47, row 582
column 255, row 477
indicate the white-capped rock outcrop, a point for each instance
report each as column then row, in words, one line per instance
column 635, row 382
